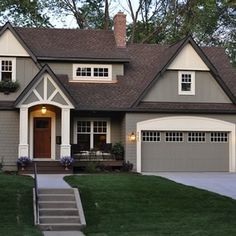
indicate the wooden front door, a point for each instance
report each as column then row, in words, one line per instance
column 42, row 137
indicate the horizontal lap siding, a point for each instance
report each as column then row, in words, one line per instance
column 9, row 138
column 185, row 156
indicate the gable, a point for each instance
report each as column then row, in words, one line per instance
column 188, row 59
column 207, row 90
column 45, row 91
column 10, row 46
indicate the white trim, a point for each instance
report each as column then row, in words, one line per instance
column 188, row 123
column 108, row 134
column 92, row 77
column 192, row 91
column 13, row 60
column 52, row 115
column 44, row 99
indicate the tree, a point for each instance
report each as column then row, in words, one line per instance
column 87, row 13
column 23, row 13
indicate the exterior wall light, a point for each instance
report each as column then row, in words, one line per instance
column 43, row 110
column 132, row 136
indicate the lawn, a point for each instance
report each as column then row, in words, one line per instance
column 16, row 207
column 135, row 205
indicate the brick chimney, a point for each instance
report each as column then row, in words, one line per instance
column 120, row 29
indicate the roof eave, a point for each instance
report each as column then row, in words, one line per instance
column 75, row 59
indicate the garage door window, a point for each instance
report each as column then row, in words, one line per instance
column 196, row 137
column 219, row 137
column 151, row 136
column 174, row 137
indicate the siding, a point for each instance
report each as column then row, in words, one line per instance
column 206, row 89
column 25, row 72
column 9, row 138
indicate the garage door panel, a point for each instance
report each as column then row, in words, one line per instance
column 184, row 156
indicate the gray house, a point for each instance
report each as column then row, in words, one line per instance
column 172, row 106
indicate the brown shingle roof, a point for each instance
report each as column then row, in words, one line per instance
column 71, row 43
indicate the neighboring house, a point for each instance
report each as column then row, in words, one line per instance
column 179, row 100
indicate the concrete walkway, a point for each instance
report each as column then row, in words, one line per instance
column 63, row 233
column 52, row 181
column 55, row 181
column 222, row 183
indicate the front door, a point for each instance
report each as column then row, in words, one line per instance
column 42, row 137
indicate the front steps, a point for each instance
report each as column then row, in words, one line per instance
column 46, row 167
column 60, row 210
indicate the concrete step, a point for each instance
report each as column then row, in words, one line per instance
column 56, row 191
column 58, row 212
column 60, row 227
column 59, row 219
column 56, row 197
column 56, row 204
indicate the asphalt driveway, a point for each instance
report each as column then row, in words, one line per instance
column 219, row 182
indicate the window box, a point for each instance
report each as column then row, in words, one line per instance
column 7, row 87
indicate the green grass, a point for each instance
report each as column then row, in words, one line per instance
column 134, row 205
column 16, row 206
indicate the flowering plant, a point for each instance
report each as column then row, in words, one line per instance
column 66, row 161
column 23, row 161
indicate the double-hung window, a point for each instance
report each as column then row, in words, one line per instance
column 92, row 134
column 186, row 83
column 8, row 68
column 92, row 72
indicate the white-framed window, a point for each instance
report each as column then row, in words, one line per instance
column 7, row 69
column 219, row 137
column 196, row 137
column 186, row 83
column 92, row 133
column 92, row 72
column 174, row 136
column 151, row 136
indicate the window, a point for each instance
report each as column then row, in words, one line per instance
column 196, row 137
column 151, row 136
column 219, row 137
column 7, row 66
column 92, row 72
column 92, row 134
column 186, row 83
column 174, row 137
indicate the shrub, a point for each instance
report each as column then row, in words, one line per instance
column 118, row 151
column 23, row 161
column 127, row 166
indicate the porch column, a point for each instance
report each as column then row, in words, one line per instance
column 65, row 132
column 23, row 149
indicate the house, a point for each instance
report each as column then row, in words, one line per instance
column 172, row 106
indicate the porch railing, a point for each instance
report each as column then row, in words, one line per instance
column 36, row 194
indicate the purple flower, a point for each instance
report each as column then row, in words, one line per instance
column 66, row 161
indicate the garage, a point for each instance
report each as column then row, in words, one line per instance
column 184, row 151
column 185, row 143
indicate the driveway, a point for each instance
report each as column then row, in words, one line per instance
column 219, row 182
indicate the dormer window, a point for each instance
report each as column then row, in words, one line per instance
column 186, row 83
column 8, row 67
column 87, row 72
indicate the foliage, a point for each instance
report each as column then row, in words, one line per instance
column 91, row 167
column 24, row 13
column 66, row 161
column 87, row 13
column 118, row 151
column 24, row 161
column 136, row 205
column 127, row 166
column 9, row 86
column 16, row 206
